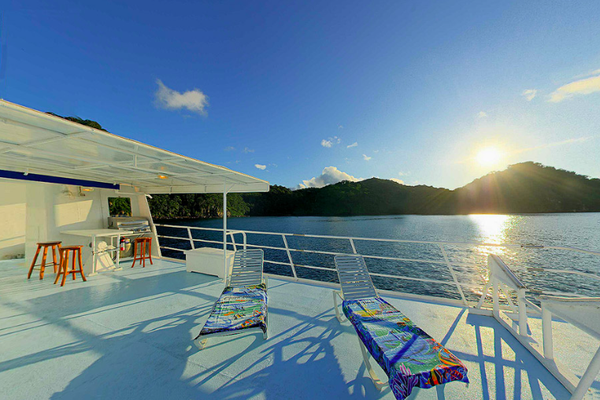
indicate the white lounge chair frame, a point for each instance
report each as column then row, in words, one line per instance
column 584, row 313
column 501, row 278
column 356, row 283
column 247, row 270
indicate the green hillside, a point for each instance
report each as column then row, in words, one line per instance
column 522, row 188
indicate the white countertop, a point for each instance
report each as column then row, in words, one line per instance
column 97, row 232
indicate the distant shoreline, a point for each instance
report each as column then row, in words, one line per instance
column 159, row 220
column 525, row 188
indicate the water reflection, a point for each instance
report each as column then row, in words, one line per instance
column 532, row 265
column 492, row 228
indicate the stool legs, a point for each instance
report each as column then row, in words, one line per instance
column 54, row 258
column 62, row 269
column 33, row 262
column 43, row 265
column 135, row 257
column 54, row 246
column 144, row 246
column 81, row 267
column 150, row 251
column 64, row 266
column 73, row 267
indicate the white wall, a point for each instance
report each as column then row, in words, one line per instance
column 32, row 212
column 12, row 218
column 53, row 208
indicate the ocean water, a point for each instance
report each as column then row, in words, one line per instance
column 535, row 267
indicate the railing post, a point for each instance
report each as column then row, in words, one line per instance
column 191, row 238
column 460, row 291
column 588, row 377
column 522, row 312
column 287, row 249
column 352, row 244
column 495, row 289
column 233, row 240
column 547, row 333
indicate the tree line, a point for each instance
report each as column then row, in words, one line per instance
column 522, row 188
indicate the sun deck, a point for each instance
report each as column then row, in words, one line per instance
column 128, row 334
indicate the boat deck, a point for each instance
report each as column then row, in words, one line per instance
column 128, row 334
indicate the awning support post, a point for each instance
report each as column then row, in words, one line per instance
column 225, row 269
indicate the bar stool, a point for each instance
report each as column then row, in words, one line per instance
column 63, row 270
column 45, row 245
column 141, row 243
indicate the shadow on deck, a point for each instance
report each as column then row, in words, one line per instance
column 129, row 335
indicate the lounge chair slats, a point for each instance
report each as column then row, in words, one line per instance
column 409, row 356
column 247, row 268
column 354, row 277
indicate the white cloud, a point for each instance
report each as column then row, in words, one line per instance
column 247, row 150
column 400, row 181
column 554, row 144
column 366, row 158
column 330, row 141
column 340, row 126
column 352, row 145
column 193, row 100
column 260, row 166
column 482, row 114
column 400, row 173
column 529, row 94
column 230, row 148
column 329, row 176
column 591, row 73
column 580, row 87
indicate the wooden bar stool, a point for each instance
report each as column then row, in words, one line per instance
column 143, row 244
column 55, row 246
column 75, row 252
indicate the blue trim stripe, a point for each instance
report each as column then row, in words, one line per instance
column 55, row 179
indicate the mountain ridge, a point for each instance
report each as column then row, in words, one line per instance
column 527, row 187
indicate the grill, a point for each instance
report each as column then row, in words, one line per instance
column 135, row 224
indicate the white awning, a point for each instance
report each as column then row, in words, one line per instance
column 33, row 142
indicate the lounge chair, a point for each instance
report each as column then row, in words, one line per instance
column 242, row 307
column 408, row 355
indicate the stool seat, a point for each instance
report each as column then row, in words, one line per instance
column 142, row 244
column 45, row 245
column 48, row 243
column 65, row 252
column 77, row 247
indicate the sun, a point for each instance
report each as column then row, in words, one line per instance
column 488, row 156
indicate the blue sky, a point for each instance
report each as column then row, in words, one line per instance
column 434, row 93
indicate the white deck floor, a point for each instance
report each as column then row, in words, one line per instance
column 128, row 335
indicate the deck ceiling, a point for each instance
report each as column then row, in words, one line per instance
column 35, row 142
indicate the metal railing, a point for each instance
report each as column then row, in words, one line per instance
column 441, row 245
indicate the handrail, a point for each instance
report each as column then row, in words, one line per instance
column 508, row 245
column 440, row 244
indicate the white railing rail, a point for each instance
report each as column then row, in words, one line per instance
column 442, row 245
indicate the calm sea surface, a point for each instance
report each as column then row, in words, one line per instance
column 533, row 266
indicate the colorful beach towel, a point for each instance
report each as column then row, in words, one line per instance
column 408, row 355
column 238, row 308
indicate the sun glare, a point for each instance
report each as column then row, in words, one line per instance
column 488, row 156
